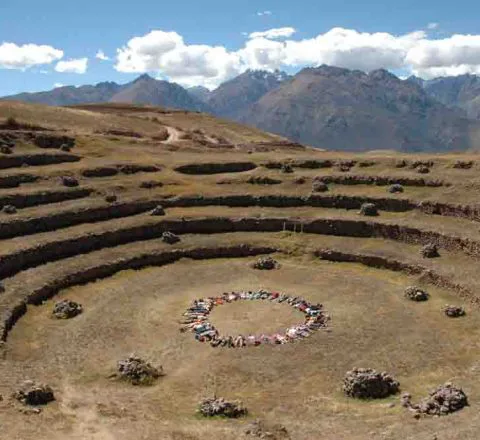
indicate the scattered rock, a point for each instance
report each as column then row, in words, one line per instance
column 344, row 168
column 365, row 383
column 32, row 393
column 9, row 209
column 30, row 410
column 369, row 210
column 149, row 184
column 138, row 371
column 319, row 186
column 220, row 407
column 7, row 143
column 454, row 311
column 170, row 238
column 263, row 180
column 395, row 188
column 463, row 165
column 7, row 138
column 65, row 147
column 429, row 251
column 346, row 165
column 300, row 180
column 366, row 163
column 442, row 401
column 69, row 181
column 5, row 149
column 265, row 263
column 401, row 163
column 422, row 163
column 53, row 141
column 67, row 309
column 416, row 294
column 162, row 135
column 422, row 169
column 286, row 168
column 158, row 211
column 261, row 429
column 111, row 198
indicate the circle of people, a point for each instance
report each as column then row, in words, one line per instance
column 195, row 320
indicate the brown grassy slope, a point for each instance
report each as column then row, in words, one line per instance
column 297, row 385
column 144, row 120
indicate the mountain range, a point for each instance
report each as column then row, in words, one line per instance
column 326, row 106
column 232, row 98
column 461, row 91
column 143, row 90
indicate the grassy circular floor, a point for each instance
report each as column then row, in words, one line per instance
column 372, row 325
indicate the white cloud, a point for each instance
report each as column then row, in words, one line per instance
column 436, row 72
column 275, row 33
column 13, row 56
column 264, row 54
column 167, row 54
column 262, row 13
column 72, row 66
column 101, row 56
column 432, row 26
column 142, row 54
column 351, row 49
column 454, row 55
column 57, row 85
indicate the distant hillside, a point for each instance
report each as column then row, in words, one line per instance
column 143, row 90
column 70, row 95
column 200, row 92
column 145, row 124
column 456, row 91
column 231, row 98
column 350, row 110
column 146, row 90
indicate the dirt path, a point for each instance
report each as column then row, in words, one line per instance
column 84, row 410
column 173, row 135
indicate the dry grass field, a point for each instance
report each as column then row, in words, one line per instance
column 71, row 243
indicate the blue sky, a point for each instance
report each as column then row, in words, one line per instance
column 207, row 42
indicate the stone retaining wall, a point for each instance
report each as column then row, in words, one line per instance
column 427, row 275
column 18, row 260
column 216, row 168
column 42, row 198
column 280, row 201
column 380, row 181
column 14, row 181
column 58, row 220
column 15, row 227
column 15, row 161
